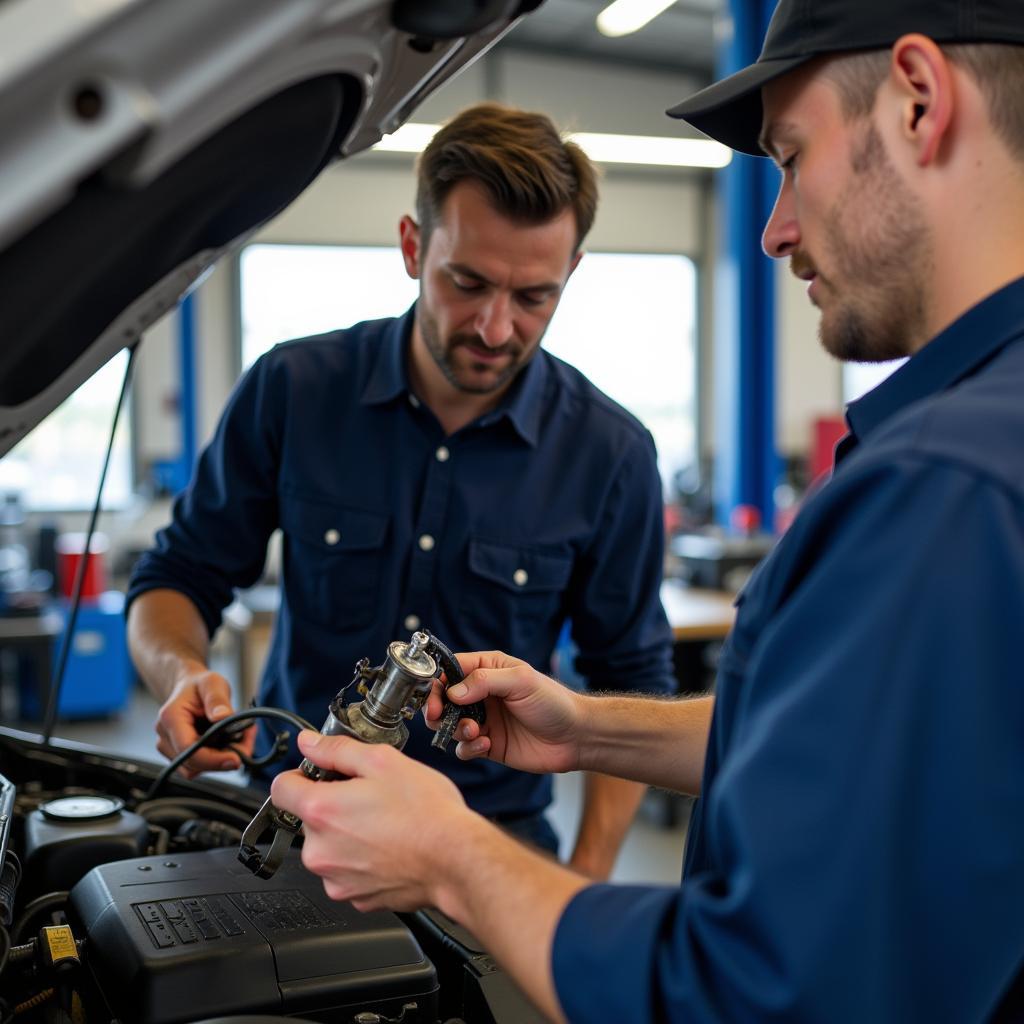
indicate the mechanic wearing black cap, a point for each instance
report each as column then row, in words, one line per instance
column 858, row 850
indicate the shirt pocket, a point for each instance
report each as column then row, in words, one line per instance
column 749, row 605
column 334, row 561
column 731, row 685
column 514, row 593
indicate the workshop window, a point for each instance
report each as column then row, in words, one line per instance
column 57, row 466
column 289, row 291
column 626, row 320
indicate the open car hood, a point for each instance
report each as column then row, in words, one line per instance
column 140, row 140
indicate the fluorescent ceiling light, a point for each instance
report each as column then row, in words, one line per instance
column 649, row 150
column 655, row 150
column 625, row 16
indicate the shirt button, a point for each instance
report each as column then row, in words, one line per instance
column 412, row 622
column 442, row 454
column 332, row 537
column 426, row 542
column 414, row 401
column 519, row 577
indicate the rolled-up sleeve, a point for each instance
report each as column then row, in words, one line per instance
column 864, row 837
column 618, row 621
column 217, row 538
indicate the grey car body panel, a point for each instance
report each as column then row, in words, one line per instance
column 103, row 102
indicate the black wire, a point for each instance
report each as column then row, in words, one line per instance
column 53, row 697
column 178, row 808
column 5, row 948
column 37, row 906
column 239, row 716
column 277, row 751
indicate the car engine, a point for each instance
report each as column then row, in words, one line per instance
column 119, row 908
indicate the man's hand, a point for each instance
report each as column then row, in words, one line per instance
column 396, row 834
column 533, row 723
column 169, row 645
column 197, row 701
column 378, row 837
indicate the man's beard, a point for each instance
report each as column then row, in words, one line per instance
column 882, row 260
column 443, row 353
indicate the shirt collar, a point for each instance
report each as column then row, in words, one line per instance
column 948, row 358
column 387, row 378
column 521, row 405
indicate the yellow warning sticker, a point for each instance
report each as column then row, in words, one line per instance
column 60, row 942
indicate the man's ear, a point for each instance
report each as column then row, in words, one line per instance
column 923, row 82
column 410, row 239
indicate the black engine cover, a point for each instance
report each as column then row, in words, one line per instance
column 179, row 937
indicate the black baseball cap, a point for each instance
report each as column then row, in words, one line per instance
column 800, row 30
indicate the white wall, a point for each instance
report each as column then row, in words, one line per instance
column 808, row 379
column 155, row 391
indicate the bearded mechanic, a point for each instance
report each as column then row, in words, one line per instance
column 427, row 471
column 857, row 848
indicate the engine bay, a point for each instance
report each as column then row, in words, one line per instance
column 121, row 908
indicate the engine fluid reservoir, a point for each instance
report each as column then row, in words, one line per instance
column 67, row 837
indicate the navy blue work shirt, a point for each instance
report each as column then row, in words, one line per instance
column 545, row 509
column 858, row 851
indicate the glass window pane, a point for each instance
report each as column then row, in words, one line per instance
column 626, row 320
column 58, row 465
column 290, row 291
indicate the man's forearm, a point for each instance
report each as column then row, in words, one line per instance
column 609, row 805
column 660, row 742
column 511, row 900
column 166, row 636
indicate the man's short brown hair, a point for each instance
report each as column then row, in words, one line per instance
column 528, row 171
column 998, row 68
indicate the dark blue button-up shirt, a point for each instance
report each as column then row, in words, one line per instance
column 546, row 509
column 858, row 853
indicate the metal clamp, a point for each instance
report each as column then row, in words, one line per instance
column 284, row 827
column 453, row 713
column 393, row 693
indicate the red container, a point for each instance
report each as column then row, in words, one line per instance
column 827, row 433
column 70, row 547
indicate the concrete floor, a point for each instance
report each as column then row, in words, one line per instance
column 652, row 851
